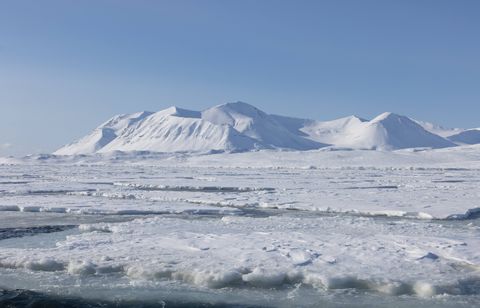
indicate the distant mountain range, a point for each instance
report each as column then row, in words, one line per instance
column 236, row 127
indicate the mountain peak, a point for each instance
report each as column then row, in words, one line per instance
column 254, row 123
column 238, row 104
column 180, row 112
column 354, row 116
column 394, row 131
column 238, row 126
column 469, row 136
column 239, row 108
column 389, row 116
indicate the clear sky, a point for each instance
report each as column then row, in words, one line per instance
column 66, row 66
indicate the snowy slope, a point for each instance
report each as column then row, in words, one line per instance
column 459, row 136
column 103, row 135
column 438, row 129
column 241, row 127
column 229, row 127
column 338, row 132
column 178, row 130
column 258, row 125
column 391, row 131
column 469, row 136
column 387, row 131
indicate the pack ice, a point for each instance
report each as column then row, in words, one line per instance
column 395, row 223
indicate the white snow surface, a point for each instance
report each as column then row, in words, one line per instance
column 469, row 136
column 387, row 131
column 438, row 129
column 103, row 135
column 457, row 135
column 258, row 125
column 401, row 222
column 422, row 184
column 400, row 258
column 239, row 127
column 230, row 127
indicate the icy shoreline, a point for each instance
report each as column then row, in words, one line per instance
column 402, row 229
column 322, row 252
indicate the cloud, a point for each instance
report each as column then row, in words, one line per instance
column 5, row 145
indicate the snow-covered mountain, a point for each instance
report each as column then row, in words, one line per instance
column 230, row 127
column 468, row 136
column 103, row 135
column 336, row 132
column 392, row 131
column 438, row 129
column 387, row 131
column 242, row 127
column 179, row 130
column 459, row 136
column 258, row 125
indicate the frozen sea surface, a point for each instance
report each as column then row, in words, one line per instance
column 298, row 231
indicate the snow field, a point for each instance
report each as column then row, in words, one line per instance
column 412, row 192
column 393, row 257
column 392, row 223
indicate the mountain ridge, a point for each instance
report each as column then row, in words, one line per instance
column 239, row 126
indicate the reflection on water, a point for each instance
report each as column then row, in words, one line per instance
column 25, row 298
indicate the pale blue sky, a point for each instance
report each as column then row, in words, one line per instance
column 66, row 66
